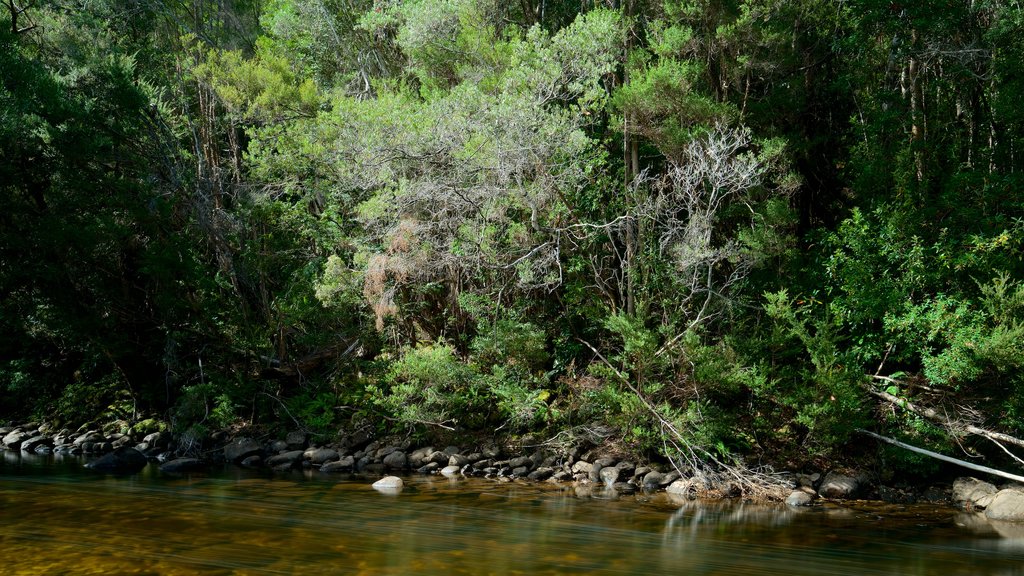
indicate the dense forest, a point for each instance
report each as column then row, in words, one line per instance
column 718, row 230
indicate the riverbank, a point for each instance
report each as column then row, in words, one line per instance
column 584, row 468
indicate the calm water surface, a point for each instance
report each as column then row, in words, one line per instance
column 58, row 518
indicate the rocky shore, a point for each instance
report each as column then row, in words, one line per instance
column 361, row 454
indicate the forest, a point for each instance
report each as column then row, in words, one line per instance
column 716, row 231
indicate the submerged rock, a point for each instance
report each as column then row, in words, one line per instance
column 181, row 465
column 800, row 498
column 121, row 461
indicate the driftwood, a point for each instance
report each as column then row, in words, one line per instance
column 944, row 458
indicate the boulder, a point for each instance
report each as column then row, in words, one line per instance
column 428, row 468
column 521, row 462
column 395, row 461
column 541, row 474
column 837, row 485
column 14, row 439
column 389, row 485
column 290, row 459
column 458, row 460
column 680, row 488
column 321, row 455
column 972, row 492
column 31, row 444
column 88, row 437
column 800, row 498
column 296, row 440
column 652, row 479
column 346, row 464
column 253, row 461
column 182, row 465
column 420, row 456
column 241, row 448
column 450, row 471
column 610, row 475
column 1007, row 505
column 124, row 460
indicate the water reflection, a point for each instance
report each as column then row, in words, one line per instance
column 57, row 519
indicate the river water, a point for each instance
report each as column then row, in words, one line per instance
column 58, row 518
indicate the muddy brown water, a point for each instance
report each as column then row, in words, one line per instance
column 58, row 518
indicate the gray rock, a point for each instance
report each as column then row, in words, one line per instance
column 652, row 480
column 241, row 448
column 182, row 465
column 800, row 498
column 602, row 462
column 624, row 488
column 321, row 455
column 458, row 460
column 583, row 467
column 277, row 446
column 541, row 474
column 669, row 478
column 158, row 439
column 254, row 461
column 440, row 457
column 807, row 480
column 640, row 472
column 290, row 459
column 43, row 449
column 520, row 462
column 389, row 485
column 31, row 444
column 1007, row 505
column 973, row 492
column 89, row 437
column 837, row 485
column 610, row 475
column 520, row 471
column 120, row 461
column 123, row 441
column 561, row 476
column 428, row 468
column 420, row 456
column 14, row 439
column 450, row 450
column 396, row 461
column 450, row 471
column 680, row 487
column 345, row 464
column 296, row 440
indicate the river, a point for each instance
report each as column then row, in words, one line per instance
column 58, row 518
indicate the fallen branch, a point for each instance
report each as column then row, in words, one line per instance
column 944, row 458
column 938, row 418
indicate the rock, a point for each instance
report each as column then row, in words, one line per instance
column 623, row 488
column 346, row 464
column 43, row 449
column 320, row 456
column 610, row 475
column 458, row 460
column 296, row 440
column 439, row 457
column 158, row 439
column 450, row 471
column 182, row 465
column 254, row 461
column 521, row 462
column 1007, row 505
column 120, row 461
column 582, row 467
column 389, row 485
column 627, row 469
column 277, row 446
column 451, row 450
column 88, row 437
column 428, row 468
column 420, row 456
column 680, row 487
column 807, row 480
column 520, row 471
column 973, row 492
column 652, row 480
column 123, row 441
column 669, row 478
column 286, row 460
column 14, row 439
column 640, row 472
column 892, row 495
column 541, row 474
column 241, row 448
column 396, row 461
column 31, row 444
column 936, row 495
column 837, row 485
column 561, row 476
column 800, row 498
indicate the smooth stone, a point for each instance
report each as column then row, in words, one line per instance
column 91, row 436
column 680, row 487
column 458, row 460
column 32, row 443
column 1007, row 505
column 521, row 462
column 541, row 474
column 241, row 448
column 652, row 479
column 389, row 485
column 14, row 439
column 121, row 461
column 582, row 467
column 254, row 461
column 450, row 471
column 520, row 471
column 439, row 457
column 346, row 464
